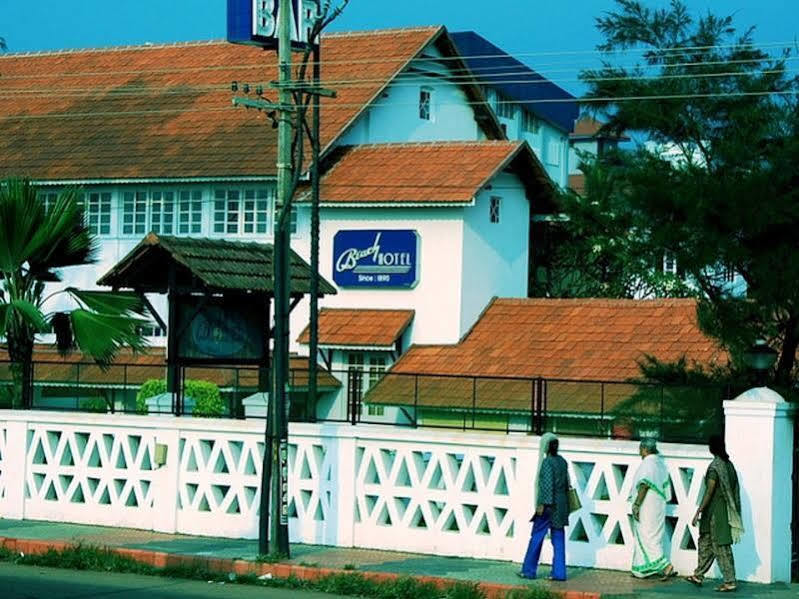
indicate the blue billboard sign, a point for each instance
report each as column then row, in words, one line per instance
column 376, row 258
column 254, row 22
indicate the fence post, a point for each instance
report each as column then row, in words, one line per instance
column 166, row 483
column 759, row 435
column 474, row 400
column 15, row 469
column 415, row 400
column 345, row 477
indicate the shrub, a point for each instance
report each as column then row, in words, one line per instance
column 149, row 389
column 207, row 398
column 94, row 404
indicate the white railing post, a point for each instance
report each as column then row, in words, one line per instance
column 343, row 503
column 522, row 495
column 166, row 483
column 759, row 438
column 16, row 470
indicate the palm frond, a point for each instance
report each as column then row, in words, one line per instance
column 109, row 302
column 102, row 336
column 25, row 312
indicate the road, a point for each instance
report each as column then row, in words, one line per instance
column 33, row 582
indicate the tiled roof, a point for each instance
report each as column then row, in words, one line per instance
column 216, row 263
column 425, row 173
column 360, row 328
column 165, row 111
column 584, row 339
column 50, row 368
column 587, row 127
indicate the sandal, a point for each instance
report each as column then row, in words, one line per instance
column 665, row 575
column 727, row 588
column 695, row 580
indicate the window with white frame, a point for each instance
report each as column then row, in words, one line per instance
column 728, row 274
column 256, row 211
column 134, row 212
column 227, row 211
column 97, row 212
column 292, row 218
column 669, row 263
column 530, row 124
column 190, row 212
column 426, row 104
column 494, row 207
column 162, row 212
column 377, row 367
column 553, row 152
column 151, row 330
column 506, row 109
column 48, row 198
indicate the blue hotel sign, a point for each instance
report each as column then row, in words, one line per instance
column 254, row 22
column 386, row 259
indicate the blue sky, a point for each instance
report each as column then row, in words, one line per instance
column 518, row 26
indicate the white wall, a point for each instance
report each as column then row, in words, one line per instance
column 495, row 255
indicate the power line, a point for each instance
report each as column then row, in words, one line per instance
column 386, row 60
column 347, row 106
column 182, row 90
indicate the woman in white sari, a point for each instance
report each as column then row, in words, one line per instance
column 650, row 493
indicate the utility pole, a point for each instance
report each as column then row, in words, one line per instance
column 313, row 364
column 278, row 404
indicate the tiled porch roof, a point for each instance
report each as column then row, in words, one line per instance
column 341, row 327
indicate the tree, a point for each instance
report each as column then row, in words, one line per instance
column 717, row 186
column 3, row 46
column 36, row 241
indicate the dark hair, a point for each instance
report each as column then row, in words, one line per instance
column 717, row 447
column 552, row 449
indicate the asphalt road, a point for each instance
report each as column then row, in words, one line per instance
column 32, row 582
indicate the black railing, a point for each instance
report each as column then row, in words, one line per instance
column 627, row 410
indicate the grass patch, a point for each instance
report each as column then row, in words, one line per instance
column 356, row 584
column 532, row 592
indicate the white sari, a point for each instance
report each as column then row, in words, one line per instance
column 649, row 556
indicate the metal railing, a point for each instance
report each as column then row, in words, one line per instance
column 606, row 409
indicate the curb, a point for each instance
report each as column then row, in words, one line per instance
column 160, row 559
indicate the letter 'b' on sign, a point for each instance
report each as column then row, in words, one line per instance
column 254, row 22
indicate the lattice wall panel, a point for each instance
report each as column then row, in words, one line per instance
column 434, row 499
column 89, row 474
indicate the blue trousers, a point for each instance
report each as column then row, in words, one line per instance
column 542, row 524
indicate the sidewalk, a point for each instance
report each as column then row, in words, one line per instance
column 583, row 582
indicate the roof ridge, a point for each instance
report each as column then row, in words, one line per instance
column 454, row 142
column 129, row 47
column 388, row 31
column 609, row 301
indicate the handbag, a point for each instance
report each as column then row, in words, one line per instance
column 574, row 500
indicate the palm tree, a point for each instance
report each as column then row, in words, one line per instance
column 36, row 241
column 3, row 46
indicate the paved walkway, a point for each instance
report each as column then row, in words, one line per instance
column 611, row 584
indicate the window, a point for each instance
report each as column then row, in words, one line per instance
column 553, row 153
column 377, row 366
column 151, row 330
column 504, row 128
column 98, row 213
column 190, row 212
column 256, row 211
column 227, row 209
column 506, row 109
column 48, row 198
column 134, row 213
column 530, row 124
column 162, row 212
column 494, row 206
column 292, row 218
column 426, row 104
column 728, row 274
column 669, row 263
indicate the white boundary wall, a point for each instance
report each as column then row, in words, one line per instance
column 446, row 493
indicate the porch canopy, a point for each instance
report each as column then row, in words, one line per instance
column 206, row 265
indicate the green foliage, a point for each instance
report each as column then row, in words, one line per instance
column 716, row 188
column 149, row 388
column 207, row 398
column 94, row 404
column 532, row 592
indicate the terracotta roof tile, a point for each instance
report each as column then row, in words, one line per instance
column 438, row 172
column 515, row 338
column 362, row 327
column 165, row 111
column 134, row 369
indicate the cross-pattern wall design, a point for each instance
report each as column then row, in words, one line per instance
column 89, row 474
column 434, row 498
column 461, row 494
